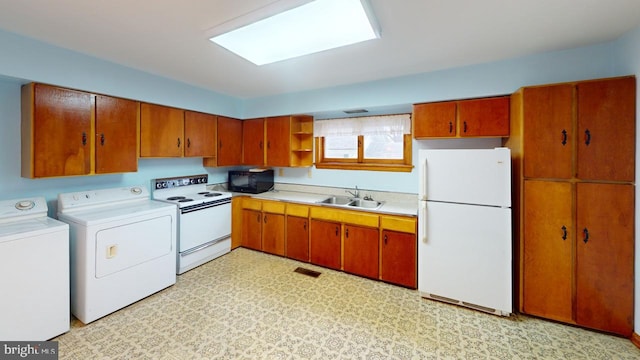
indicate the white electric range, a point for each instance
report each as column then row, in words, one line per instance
column 204, row 218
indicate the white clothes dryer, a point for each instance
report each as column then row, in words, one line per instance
column 34, row 272
column 123, row 248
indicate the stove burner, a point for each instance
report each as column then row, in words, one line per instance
column 213, row 194
column 175, row 198
column 185, row 200
column 203, row 193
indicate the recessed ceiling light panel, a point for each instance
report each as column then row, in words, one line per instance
column 313, row 27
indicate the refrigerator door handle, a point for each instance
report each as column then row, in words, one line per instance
column 422, row 221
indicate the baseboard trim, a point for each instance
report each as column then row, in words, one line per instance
column 635, row 339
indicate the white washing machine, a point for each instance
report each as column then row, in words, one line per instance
column 123, row 248
column 34, row 272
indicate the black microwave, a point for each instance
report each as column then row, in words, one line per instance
column 250, row 181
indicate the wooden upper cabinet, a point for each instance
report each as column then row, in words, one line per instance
column 229, row 141
column 116, row 135
column 278, row 140
column 253, row 141
column 547, row 250
column 606, row 129
column 548, row 132
column 56, row 131
column 484, row 117
column 161, row 131
column 200, row 134
column 434, row 120
column 604, row 257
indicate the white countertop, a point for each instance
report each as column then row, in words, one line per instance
column 398, row 207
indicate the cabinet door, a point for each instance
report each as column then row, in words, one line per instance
column 606, row 129
column 297, row 238
column 273, row 233
column 161, row 131
column 604, row 257
column 253, row 142
column 278, row 141
column 399, row 262
column 324, row 244
column 62, row 137
column 229, row 141
column 548, row 139
column 252, row 229
column 434, row 120
column 484, row 117
column 116, row 135
column 361, row 251
column 200, row 134
column 547, row 249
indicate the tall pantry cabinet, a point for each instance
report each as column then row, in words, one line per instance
column 573, row 148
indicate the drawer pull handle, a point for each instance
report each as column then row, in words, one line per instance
column 587, row 137
column 450, row 127
column 564, row 137
column 84, row 138
column 564, row 232
column 585, row 235
column 102, row 139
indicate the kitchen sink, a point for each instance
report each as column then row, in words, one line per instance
column 337, row 200
column 351, row 202
column 368, row 204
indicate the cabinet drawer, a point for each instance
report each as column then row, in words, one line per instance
column 274, row 207
column 397, row 223
column 345, row 216
column 252, row 204
column 297, row 210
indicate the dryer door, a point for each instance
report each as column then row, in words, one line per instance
column 131, row 244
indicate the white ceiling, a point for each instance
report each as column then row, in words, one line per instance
column 170, row 38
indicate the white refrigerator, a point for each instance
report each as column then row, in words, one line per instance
column 464, row 233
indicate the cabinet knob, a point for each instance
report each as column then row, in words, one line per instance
column 564, row 137
column 464, row 127
column 84, row 138
column 385, row 239
column 102, row 139
column 346, row 232
column 337, row 231
column 178, row 142
column 304, row 226
column 587, row 137
column 188, row 142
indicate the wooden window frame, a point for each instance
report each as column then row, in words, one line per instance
column 395, row 165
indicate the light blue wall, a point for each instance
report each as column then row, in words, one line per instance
column 26, row 59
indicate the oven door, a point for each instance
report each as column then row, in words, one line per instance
column 204, row 225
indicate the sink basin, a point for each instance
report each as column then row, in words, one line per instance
column 351, row 202
column 337, row 200
column 368, row 204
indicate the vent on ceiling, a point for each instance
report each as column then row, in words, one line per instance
column 356, row 111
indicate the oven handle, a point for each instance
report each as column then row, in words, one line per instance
column 203, row 246
column 192, row 208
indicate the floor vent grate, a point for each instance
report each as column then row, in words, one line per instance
column 304, row 271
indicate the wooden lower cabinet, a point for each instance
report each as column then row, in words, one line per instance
column 398, row 258
column 360, row 253
column 252, row 229
column 579, row 272
column 548, row 233
column 605, row 257
column 324, row 244
column 273, row 233
column 297, row 238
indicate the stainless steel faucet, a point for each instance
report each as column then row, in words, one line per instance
column 355, row 193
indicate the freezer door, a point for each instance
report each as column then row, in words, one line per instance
column 464, row 254
column 477, row 176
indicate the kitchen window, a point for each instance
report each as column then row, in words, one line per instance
column 381, row 143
